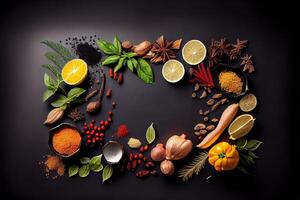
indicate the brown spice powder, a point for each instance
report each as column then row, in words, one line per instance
column 230, row 82
column 54, row 164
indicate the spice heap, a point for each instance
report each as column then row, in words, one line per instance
column 54, row 164
column 66, row 141
column 230, row 82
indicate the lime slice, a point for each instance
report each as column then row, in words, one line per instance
column 241, row 126
column 248, row 103
column 173, row 71
column 194, row 52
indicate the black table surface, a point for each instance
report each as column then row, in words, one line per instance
column 270, row 28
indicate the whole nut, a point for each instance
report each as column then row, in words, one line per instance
column 126, row 44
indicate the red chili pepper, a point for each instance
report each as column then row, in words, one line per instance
column 110, row 73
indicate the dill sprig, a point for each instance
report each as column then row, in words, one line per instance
column 194, row 167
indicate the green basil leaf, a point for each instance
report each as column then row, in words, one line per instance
column 246, row 159
column 47, row 94
column 107, row 173
column 119, row 65
column 107, row 47
column 73, row 170
column 134, row 63
column 252, row 154
column 117, row 44
column 243, row 169
column 130, row 54
column 252, row 145
column 96, row 168
column 48, row 81
column 84, row 160
column 111, row 59
column 55, row 58
column 52, row 69
column 63, row 107
column 241, row 143
column 75, row 93
column 130, row 65
column 60, row 101
column 150, row 134
column 144, row 71
column 65, row 53
column 96, row 160
column 84, row 171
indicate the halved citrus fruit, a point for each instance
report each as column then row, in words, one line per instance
column 194, row 52
column 74, row 72
column 248, row 103
column 173, row 71
column 241, row 126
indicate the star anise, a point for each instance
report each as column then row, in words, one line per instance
column 237, row 48
column 76, row 115
column 248, row 64
column 224, row 47
column 214, row 55
column 164, row 50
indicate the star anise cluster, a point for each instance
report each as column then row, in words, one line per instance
column 247, row 62
column 219, row 50
column 76, row 115
column 164, row 50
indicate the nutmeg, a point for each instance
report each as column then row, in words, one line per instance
column 126, row 44
column 143, row 48
column 93, row 106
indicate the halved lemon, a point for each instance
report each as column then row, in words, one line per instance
column 241, row 126
column 173, row 71
column 74, row 72
column 194, row 52
column 248, row 102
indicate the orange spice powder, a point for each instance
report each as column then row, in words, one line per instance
column 66, row 141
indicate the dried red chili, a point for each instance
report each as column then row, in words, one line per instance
column 202, row 75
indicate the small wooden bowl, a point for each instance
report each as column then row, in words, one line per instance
column 222, row 67
column 54, row 130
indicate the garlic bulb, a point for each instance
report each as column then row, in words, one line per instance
column 158, row 153
column 178, row 147
column 167, row 167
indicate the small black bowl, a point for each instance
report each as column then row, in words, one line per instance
column 54, row 130
column 222, row 67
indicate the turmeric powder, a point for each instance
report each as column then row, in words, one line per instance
column 66, row 141
column 230, row 82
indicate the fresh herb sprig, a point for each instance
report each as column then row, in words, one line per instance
column 150, row 134
column 246, row 150
column 72, row 97
column 119, row 58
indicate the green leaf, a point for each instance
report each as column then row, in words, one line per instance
column 84, row 171
column 252, row 145
column 150, row 134
column 65, row 53
column 243, row 169
column 60, row 101
column 107, row 47
column 107, row 173
column 135, row 63
column 119, row 65
column 52, row 69
column 85, row 160
column 111, row 59
column 246, row 159
column 96, row 160
column 130, row 65
column 55, row 58
column 48, row 81
column 47, row 94
column 75, row 93
column 63, row 107
column 130, row 54
column 241, row 143
column 96, row 168
column 78, row 101
column 252, row 154
column 73, row 170
column 117, row 44
column 144, row 71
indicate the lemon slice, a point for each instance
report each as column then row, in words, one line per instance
column 74, row 72
column 241, row 126
column 173, row 71
column 194, row 52
column 248, row 103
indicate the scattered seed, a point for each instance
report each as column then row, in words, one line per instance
column 224, row 100
column 214, row 120
column 113, row 104
column 196, row 87
column 205, row 119
column 199, row 126
column 206, row 112
column 191, row 71
column 200, row 112
column 210, row 127
column 120, row 79
column 210, row 102
column 203, row 95
column 194, row 95
column 217, row 96
column 208, row 90
column 203, row 132
column 108, row 92
column 216, row 105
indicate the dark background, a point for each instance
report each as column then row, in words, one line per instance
column 271, row 29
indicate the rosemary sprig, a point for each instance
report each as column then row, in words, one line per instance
column 194, row 167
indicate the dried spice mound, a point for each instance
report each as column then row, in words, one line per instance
column 54, row 164
column 230, row 82
column 88, row 53
column 76, row 115
column 122, row 131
